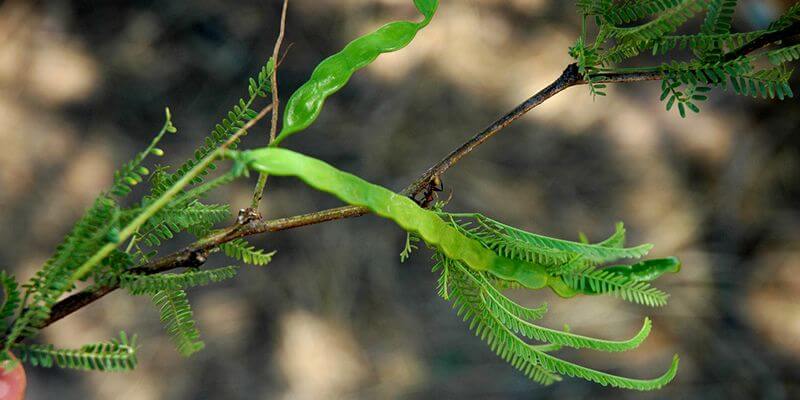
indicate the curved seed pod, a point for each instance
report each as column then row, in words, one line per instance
column 647, row 271
column 644, row 271
column 400, row 209
column 333, row 73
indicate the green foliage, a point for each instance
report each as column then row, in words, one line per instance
column 11, row 299
column 132, row 172
column 409, row 247
column 243, row 251
column 152, row 284
column 588, row 66
column 95, row 229
column 89, row 251
column 115, row 355
column 665, row 23
column 764, row 83
column 98, row 228
column 784, row 55
column 719, row 17
column 177, row 218
column 790, row 16
column 686, row 82
column 594, row 7
column 634, row 10
column 518, row 244
column 176, row 315
column 503, row 324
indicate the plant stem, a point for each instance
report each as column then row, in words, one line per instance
column 258, row 192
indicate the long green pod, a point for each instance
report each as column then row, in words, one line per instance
column 400, row 209
column 643, row 271
column 335, row 71
column 648, row 270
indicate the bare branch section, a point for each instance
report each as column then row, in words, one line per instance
column 258, row 192
column 195, row 254
column 273, row 128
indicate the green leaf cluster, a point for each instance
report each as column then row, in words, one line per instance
column 178, row 320
column 505, row 325
column 114, row 356
column 625, row 29
column 98, row 231
column 247, row 253
column 153, row 284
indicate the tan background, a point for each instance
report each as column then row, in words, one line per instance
column 83, row 85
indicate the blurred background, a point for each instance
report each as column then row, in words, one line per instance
column 83, row 86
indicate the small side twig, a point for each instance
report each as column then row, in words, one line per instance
column 273, row 128
column 258, row 192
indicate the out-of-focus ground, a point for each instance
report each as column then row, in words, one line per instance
column 83, row 86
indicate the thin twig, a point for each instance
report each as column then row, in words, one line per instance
column 258, row 191
column 273, row 128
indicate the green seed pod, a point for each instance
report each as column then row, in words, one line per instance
column 334, row 72
column 648, row 270
column 400, row 209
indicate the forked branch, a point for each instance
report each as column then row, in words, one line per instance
column 195, row 254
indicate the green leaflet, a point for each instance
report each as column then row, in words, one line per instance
column 493, row 318
column 503, row 310
column 11, row 299
column 516, row 243
column 400, row 209
column 115, row 355
column 153, row 284
column 241, row 250
column 132, row 172
column 177, row 317
column 333, row 73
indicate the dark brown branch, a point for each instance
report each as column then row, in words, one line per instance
column 764, row 40
column 568, row 78
column 195, row 254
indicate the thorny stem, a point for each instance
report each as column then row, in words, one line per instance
column 195, row 254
